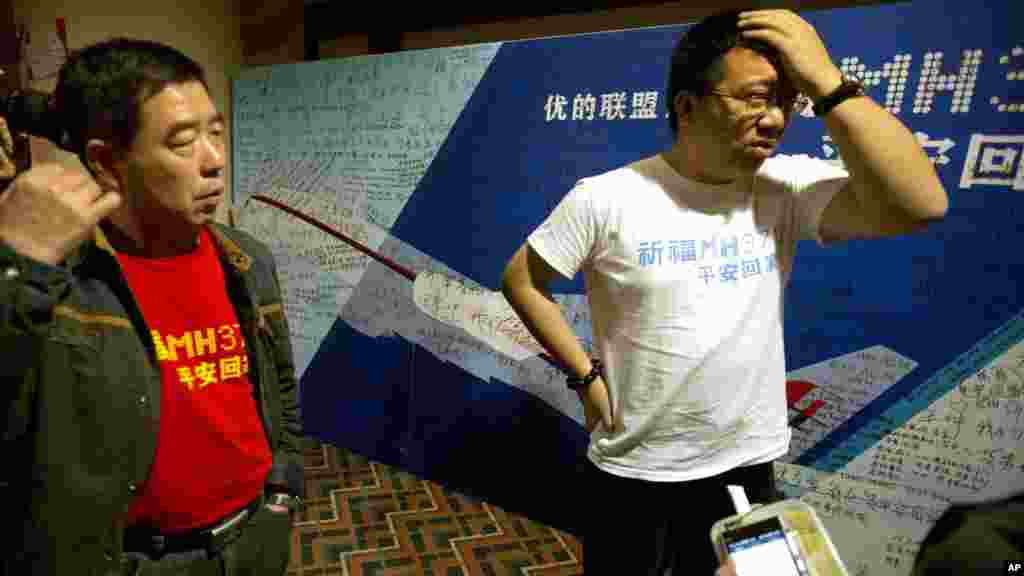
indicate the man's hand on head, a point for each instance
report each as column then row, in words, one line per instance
column 49, row 210
column 804, row 55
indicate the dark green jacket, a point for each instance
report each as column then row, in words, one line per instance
column 80, row 398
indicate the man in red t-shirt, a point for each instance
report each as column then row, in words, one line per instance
column 209, row 419
column 207, row 465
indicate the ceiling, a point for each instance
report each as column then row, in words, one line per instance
column 339, row 16
column 335, row 17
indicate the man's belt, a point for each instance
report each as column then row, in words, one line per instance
column 212, row 539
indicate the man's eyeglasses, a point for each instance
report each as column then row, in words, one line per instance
column 758, row 104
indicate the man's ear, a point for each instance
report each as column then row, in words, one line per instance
column 100, row 159
column 684, row 103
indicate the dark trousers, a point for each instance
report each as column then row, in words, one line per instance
column 262, row 549
column 645, row 528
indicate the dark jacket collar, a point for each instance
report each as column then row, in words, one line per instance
column 227, row 248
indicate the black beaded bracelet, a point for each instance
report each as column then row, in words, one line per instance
column 575, row 383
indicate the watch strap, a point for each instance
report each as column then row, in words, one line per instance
column 850, row 88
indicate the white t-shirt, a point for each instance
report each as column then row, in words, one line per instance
column 685, row 285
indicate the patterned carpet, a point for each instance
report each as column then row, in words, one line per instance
column 362, row 518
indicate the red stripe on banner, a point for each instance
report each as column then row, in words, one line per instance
column 797, row 389
column 810, row 410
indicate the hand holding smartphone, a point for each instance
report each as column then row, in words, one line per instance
column 781, row 539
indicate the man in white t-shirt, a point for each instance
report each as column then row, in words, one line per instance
column 685, row 256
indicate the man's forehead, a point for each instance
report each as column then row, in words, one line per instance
column 742, row 65
column 175, row 107
column 179, row 102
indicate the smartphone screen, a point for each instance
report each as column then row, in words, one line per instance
column 762, row 548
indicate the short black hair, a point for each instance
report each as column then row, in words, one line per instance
column 699, row 51
column 102, row 87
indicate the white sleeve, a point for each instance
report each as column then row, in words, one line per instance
column 808, row 184
column 566, row 238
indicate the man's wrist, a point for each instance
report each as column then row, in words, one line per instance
column 848, row 88
column 29, row 250
column 821, row 88
column 47, row 279
column 580, row 383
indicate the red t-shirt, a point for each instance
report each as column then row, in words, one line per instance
column 212, row 456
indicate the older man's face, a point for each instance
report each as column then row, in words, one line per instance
column 173, row 171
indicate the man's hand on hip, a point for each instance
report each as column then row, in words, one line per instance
column 596, row 407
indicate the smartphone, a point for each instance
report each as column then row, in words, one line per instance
column 781, row 539
column 762, row 548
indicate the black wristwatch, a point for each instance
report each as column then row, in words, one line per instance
column 576, row 383
column 850, row 88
